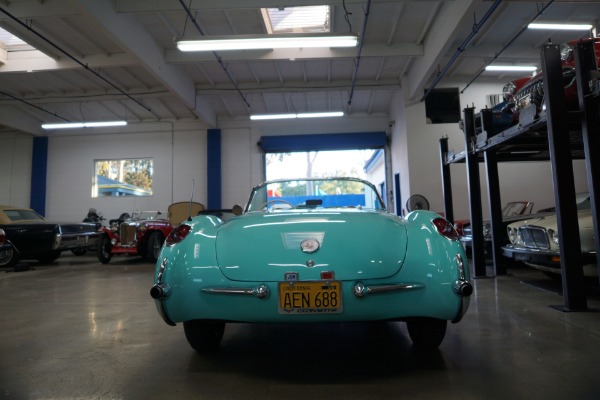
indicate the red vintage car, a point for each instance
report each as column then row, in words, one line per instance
column 530, row 90
column 143, row 233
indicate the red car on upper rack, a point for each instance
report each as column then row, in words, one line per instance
column 523, row 92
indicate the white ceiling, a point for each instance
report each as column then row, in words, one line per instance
column 116, row 59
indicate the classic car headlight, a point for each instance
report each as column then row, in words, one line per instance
column 512, row 234
column 566, row 50
column 554, row 236
column 114, row 227
column 519, row 237
column 142, row 227
column 508, row 90
column 487, row 232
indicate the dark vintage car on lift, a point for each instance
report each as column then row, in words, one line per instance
column 143, row 233
column 524, row 92
column 27, row 235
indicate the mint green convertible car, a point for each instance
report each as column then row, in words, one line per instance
column 312, row 250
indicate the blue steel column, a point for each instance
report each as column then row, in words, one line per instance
column 564, row 182
column 39, row 167
column 585, row 61
column 213, row 168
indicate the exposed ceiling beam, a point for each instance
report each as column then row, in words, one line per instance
column 138, row 6
column 451, row 20
column 17, row 119
column 131, row 35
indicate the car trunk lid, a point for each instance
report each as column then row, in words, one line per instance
column 353, row 244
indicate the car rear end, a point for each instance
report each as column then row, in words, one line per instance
column 332, row 266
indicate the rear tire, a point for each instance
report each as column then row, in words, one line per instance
column 9, row 258
column 104, row 249
column 204, row 336
column 155, row 242
column 426, row 333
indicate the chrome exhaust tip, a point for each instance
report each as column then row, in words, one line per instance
column 159, row 291
column 464, row 289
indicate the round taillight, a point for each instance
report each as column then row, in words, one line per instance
column 178, row 234
column 445, row 228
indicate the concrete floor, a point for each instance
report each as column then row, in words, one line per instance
column 81, row 330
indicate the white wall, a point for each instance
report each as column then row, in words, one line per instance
column 179, row 157
column 15, row 168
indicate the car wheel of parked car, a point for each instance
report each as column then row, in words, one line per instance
column 8, row 258
column 204, row 336
column 426, row 333
column 155, row 242
column 49, row 257
column 104, row 249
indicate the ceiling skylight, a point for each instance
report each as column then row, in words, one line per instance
column 16, row 54
column 309, row 19
column 8, row 42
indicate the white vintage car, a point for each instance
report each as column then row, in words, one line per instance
column 537, row 244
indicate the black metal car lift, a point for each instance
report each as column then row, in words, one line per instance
column 589, row 94
column 560, row 147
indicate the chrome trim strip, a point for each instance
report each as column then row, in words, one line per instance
column 161, row 271
column 261, row 291
column 361, row 290
column 160, row 304
column 463, row 287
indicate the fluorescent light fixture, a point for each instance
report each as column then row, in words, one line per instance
column 321, row 114
column 272, row 116
column 519, row 68
column 302, row 115
column 564, row 27
column 266, row 42
column 71, row 125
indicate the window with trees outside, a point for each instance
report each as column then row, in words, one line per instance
column 127, row 177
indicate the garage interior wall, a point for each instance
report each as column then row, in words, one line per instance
column 179, row 158
column 15, row 168
column 179, row 153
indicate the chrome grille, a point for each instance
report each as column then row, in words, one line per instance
column 127, row 233
column 534, row 237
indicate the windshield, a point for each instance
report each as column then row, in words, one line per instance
column 145, row 215
column 517, row 208
column 315, row 193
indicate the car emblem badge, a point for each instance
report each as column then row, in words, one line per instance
column 310, row 245
column 310, row 263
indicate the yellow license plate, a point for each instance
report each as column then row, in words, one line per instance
column 314, row 297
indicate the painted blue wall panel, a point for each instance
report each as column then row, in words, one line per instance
column 213, row 166
column 39, row 167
